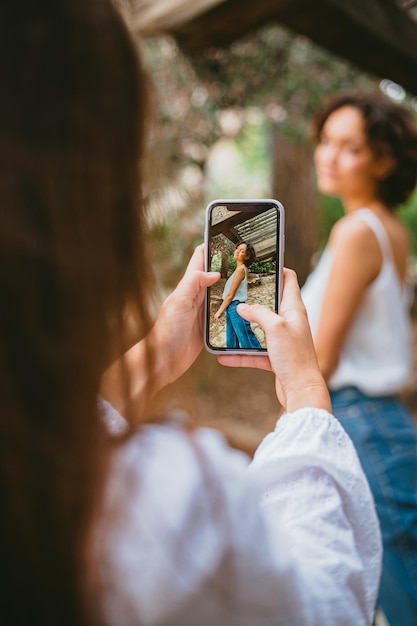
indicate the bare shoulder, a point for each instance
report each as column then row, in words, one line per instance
column 352, row 233
column 355, row 246
column 240, row 273
column 354, row 238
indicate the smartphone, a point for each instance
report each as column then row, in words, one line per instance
column 244, row 241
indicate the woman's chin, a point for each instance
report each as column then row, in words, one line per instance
column 328, row 190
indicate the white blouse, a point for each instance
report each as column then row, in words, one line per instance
column 193, row 534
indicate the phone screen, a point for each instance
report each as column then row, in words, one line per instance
column 244, row 242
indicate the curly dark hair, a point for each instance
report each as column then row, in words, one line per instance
column 390, row 129
column 250, row 250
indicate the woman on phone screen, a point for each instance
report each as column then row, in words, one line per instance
column 358, row 302
column 239, row 333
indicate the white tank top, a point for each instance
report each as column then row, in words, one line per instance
column 376, row 356
column 242, row 290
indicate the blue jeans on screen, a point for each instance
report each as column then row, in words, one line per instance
column 385, row 438
column 239, row 333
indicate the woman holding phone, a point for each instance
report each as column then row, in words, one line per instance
column 358, row 302
column 109, row 514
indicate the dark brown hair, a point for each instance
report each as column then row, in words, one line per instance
column 71, row 245
column 390, row 129
column 250, row 250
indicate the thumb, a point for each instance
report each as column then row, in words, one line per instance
column 208, row 278
column 257, row 313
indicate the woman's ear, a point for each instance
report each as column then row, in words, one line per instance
column 384, row 166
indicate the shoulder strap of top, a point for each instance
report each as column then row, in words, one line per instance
column 381, row 234
column 366, row 215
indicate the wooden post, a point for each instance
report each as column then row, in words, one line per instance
column 294, row 185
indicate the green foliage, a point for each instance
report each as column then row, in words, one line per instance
column 252, row 141
column 330, row 210
column 216, row 262
column 282, row 76
column 408, row 213
column 257, row 267
column 274, row 80
column 232, row 263
column 261, row 268
column 285, row 75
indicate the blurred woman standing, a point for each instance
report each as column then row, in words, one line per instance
column 358, row 302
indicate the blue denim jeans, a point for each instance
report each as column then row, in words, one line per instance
column 238, row 331
column 384, row 434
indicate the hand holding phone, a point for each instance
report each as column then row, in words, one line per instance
column 291, row 353
column 244, row 241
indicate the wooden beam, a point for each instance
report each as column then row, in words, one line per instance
column 258, row 228
column 230, row 222
column 152, row 17
column 373, row 34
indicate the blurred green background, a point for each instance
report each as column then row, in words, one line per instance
column 218, row 119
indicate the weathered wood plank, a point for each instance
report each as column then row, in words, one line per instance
column 155, row 16
column 374, row 34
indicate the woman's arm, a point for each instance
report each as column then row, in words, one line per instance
column 238, row 276
column 356, row 263
column 175, row 341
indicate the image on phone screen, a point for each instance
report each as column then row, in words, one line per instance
column 243, row 241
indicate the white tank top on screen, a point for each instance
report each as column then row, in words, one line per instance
column 242, row 290
column 376, row 357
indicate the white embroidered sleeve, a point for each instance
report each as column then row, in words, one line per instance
column 313, row 486
column 193, row 534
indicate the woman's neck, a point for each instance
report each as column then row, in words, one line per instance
column 352, row 205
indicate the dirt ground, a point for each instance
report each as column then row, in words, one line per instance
column 242, row 402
